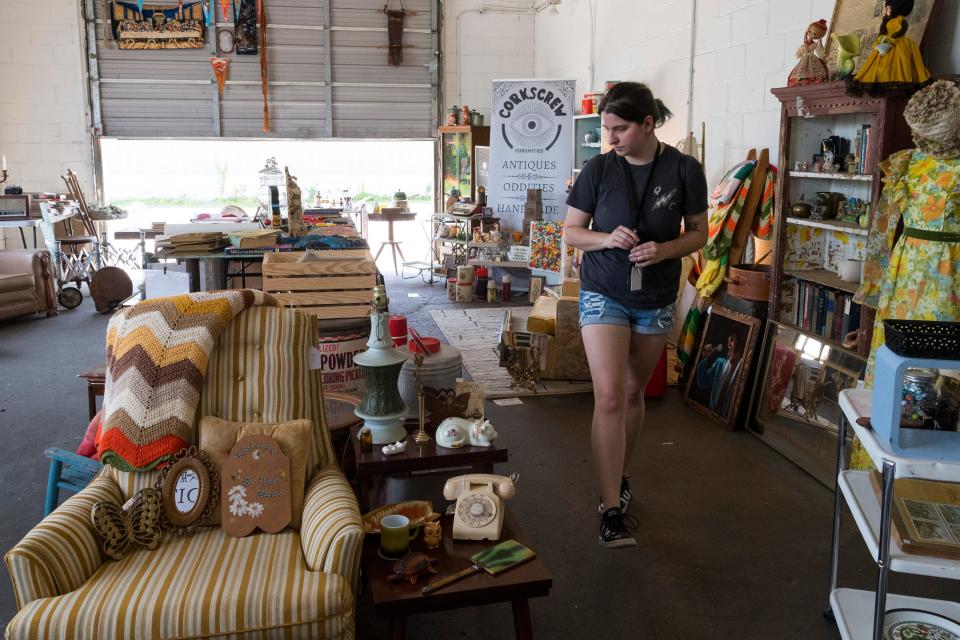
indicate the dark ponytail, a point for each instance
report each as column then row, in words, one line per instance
column 634, row 101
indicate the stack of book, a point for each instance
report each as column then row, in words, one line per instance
column 824, row 311
column 192, row 243
column 864, row 149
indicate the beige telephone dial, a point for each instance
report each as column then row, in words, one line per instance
column 479, row 511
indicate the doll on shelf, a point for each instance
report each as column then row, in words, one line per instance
column 917, row 277
column 895, row 66
column 810, row 68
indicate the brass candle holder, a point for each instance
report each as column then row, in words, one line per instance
column 421, row 437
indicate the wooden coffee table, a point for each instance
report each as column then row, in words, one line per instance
column 373, row 464
column 398, row 600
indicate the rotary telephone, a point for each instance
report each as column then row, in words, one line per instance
column 479, row 510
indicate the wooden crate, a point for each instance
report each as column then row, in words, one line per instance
column 340, row 285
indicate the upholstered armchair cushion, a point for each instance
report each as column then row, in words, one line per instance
column 61, row 553
column 331, row 532
column 210, row 585
column 26, row 282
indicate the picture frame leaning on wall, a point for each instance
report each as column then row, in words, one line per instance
column 715, row 386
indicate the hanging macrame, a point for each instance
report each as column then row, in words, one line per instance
column 220, row 72
column 262, row 16
column 395, row 34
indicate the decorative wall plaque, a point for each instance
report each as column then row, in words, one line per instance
column 255, row 483
column 189, row 488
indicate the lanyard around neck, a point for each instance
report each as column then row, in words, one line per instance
column 638, row 207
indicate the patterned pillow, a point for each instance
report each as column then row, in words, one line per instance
column 295, row 438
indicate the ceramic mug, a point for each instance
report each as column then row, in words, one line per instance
column 396, row 534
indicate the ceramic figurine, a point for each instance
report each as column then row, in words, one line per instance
column 495, row 234
column 453, row 433
column 810, row 68
column 848, row 48
column 432, row 534
column 392, row 449
column 895, row 66
column 476, row 235
column 410, row 567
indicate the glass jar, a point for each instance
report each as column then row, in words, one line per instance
column 919, row 389
column 272, row 176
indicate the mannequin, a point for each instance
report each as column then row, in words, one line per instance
column 916, row 277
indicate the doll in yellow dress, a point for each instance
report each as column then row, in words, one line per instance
column 895, row 66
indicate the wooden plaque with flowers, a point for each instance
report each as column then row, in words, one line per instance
column 255, row 487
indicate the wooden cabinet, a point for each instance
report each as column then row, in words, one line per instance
column 458, row 158
column 589, row 140
column 807, row 250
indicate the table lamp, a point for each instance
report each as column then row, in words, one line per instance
column 382, row 408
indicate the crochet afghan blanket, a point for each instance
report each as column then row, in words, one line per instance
column 157, row 354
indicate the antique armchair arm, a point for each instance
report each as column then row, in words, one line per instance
column 331, row 534
column 61, row 553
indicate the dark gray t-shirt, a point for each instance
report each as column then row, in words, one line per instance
column 679, row 189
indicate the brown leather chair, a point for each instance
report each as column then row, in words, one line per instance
column 26, row 283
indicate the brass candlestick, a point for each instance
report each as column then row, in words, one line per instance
column 421, row 437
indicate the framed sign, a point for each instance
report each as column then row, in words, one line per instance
column 189, row 491
column 718, row 378
column 256, row 487
column 225, row 41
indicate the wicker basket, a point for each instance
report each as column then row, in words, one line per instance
column 923, row 338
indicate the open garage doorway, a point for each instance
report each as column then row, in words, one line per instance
column 175, row 180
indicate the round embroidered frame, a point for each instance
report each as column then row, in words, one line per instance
column 197, row 462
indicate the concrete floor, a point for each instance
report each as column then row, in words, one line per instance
column 733, row 538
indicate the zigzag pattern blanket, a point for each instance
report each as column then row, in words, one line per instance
column 157, row 354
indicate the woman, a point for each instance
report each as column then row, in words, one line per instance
column 630, row 275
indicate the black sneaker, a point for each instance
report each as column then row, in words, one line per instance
column 625, row 496
column 613, row 529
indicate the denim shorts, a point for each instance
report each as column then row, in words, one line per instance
column 596, row 308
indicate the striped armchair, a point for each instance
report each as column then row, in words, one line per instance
column 295, row 584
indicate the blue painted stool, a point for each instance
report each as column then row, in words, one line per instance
column 68, row 471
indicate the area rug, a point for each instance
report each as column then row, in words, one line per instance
column 476, row 333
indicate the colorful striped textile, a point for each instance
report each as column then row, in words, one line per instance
column 209, row 586
column 157, row 354
column 723, row 220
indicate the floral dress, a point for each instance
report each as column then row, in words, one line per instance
column 918, row 278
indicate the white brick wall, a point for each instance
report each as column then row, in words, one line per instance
column 743, row 48
column 43, row 103
column 495, row 45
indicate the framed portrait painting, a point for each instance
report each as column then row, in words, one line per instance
column 863, row 17
column 720, row 370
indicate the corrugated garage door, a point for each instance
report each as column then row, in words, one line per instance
column 319, row 53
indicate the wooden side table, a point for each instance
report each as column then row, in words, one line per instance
column 398, row 600
column 96, row 378
column 390, row 218
column 373, row 464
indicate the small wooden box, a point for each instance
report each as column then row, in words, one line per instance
column 339, row 285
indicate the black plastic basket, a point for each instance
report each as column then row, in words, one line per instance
column 923, row 338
